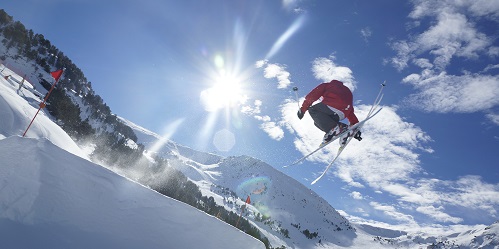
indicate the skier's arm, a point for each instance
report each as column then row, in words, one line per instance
column 312, row 96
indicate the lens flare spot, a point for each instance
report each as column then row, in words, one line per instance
column 224, row 140
column 219, row 61
column 256, row 187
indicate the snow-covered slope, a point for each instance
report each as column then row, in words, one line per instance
column 50, row 198
column 53, row 199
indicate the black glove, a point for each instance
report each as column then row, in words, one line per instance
column 300, row 114
column 357, row 135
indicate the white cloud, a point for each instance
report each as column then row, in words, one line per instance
column 483, row 7
column 275, row 132
column 493, row 117
column 474, row 193
column 477, row 8
column 268, row 126
column 356, row 195
column 449, row 93
column 260, row 63
column 275, row 71
column 490, row 67
column 252, row 110
column 404, row 51
column 429, row 229
column 422, row 63
column 386, row 155
column 493, row 52
column 362, row 212
column 438, row 214
column 366, row 33
column 326, row 70
column 392, row 212
column 272, row 128
column 434, row 198
column 454, row 36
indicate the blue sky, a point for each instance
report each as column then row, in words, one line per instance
column 430, row 158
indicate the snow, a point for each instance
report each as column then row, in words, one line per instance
column 52, row 196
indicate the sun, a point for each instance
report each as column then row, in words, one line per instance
column 226, row 92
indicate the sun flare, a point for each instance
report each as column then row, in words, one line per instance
column 226, row 92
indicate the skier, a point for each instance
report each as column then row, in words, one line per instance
column 336, row 104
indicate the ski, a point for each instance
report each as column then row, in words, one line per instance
column 332, row 140
column 342, row 147
column 372, row 112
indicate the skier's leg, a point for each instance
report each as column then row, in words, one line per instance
column 324, row 118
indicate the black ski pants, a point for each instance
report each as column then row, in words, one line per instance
column 324, row 118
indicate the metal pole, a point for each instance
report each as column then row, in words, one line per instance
column 42, row 105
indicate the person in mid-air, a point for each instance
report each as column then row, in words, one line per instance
column 336, row 104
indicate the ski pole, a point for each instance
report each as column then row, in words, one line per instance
column 377, row 98
column 295, row 89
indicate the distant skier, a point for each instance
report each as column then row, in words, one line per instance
column 336, row 104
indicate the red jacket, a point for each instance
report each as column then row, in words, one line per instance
column 334, row 94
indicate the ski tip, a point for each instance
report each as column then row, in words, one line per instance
column 317, row 179
column 294, row 163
